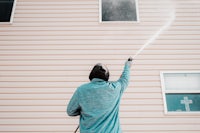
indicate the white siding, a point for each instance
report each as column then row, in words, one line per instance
column 51, row 47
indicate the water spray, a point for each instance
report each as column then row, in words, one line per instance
column 156, row 35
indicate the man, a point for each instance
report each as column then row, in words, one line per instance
column 98, row 102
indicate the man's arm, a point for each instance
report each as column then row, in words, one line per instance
column 125, row 77
column 73, row 108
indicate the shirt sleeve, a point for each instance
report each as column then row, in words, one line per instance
column 73, row 108
column 125, row 77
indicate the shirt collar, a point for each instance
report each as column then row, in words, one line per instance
column 97, row 80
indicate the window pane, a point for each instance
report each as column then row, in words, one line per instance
column 6, row 10
column 183, row 102
column 119, row 10
column 182, row 81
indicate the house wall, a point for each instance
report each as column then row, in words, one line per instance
column 51, row 46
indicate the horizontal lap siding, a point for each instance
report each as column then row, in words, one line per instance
column 51, row 47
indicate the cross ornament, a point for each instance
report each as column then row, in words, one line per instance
column 187, row 103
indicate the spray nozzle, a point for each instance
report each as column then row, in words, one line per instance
column 130, row 59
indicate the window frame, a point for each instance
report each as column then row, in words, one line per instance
column 164, row 92
column 100, row 15
column 12, row 14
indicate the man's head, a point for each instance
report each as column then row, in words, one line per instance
column 99, row 71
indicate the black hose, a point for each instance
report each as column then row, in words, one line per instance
column 76, row 129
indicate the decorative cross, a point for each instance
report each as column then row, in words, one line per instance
column 187, row 103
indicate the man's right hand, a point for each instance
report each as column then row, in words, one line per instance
column 129, row 61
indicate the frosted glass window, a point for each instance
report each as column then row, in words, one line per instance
column 118, row 10
column 182, row 81
column 181, row 91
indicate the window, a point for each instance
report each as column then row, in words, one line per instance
column 118, row 10
column 7, row 10
column 181, row 91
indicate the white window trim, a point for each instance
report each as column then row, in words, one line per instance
column 164, row 91
column 100, row 15
column 12, row 14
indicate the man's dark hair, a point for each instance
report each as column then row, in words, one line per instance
column 99, row 71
